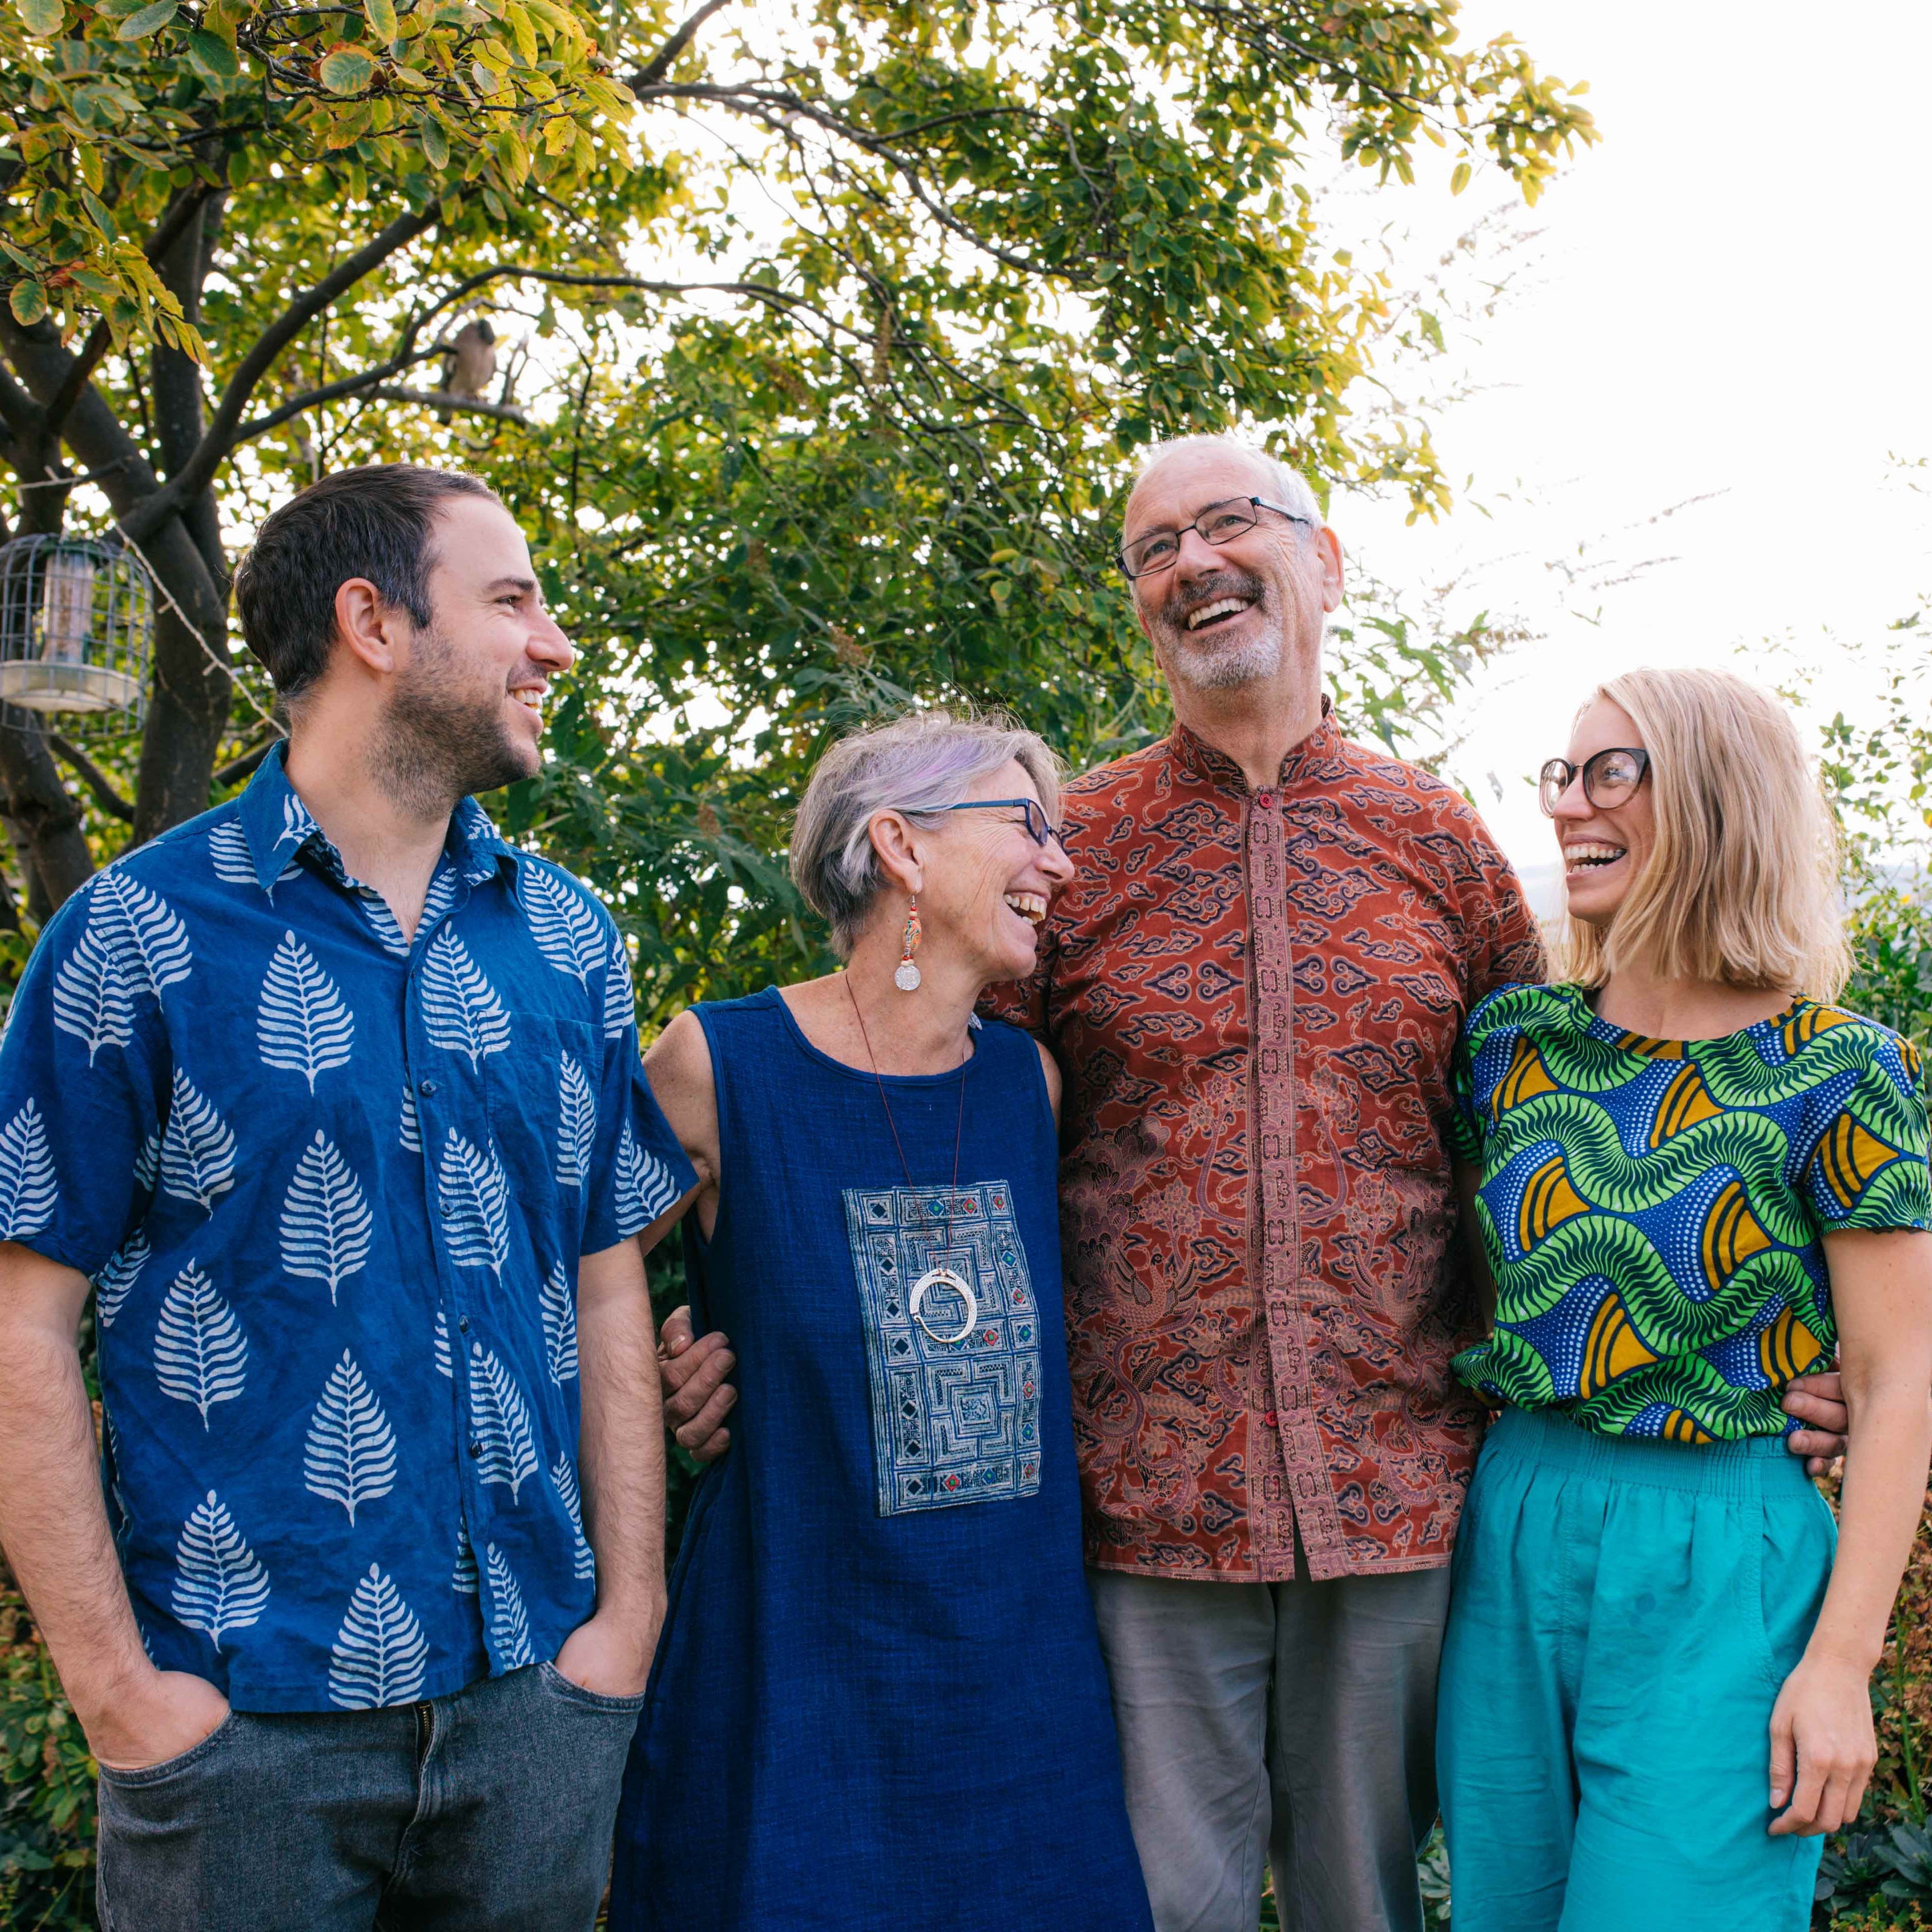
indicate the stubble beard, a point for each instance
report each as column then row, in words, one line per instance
column 439, row 742
column 1208, row 666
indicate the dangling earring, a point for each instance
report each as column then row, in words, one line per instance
column 906, row 977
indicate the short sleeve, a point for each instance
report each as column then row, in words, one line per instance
column 83, row 1089
column 637, row 1170
column 1868, row 1168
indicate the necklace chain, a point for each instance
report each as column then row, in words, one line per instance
column 958, row 1128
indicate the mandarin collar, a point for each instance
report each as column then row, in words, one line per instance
column 1317, row 756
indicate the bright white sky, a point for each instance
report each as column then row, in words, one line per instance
column 1729, row 299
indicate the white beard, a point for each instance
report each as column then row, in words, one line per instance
column 1210, row 666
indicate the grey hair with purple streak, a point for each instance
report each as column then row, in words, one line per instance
column 918, row 764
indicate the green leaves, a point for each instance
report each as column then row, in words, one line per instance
column 42, row 17
column 28, row 301
column 212, row 57
column 381, row 16
column 147, row 20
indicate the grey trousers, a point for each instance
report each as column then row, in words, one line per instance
column 1292, row 1725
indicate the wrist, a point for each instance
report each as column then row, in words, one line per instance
column 1842, row 1653
column 107, row 1687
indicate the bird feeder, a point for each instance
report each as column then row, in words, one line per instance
column 77, row 622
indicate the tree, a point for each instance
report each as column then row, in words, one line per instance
column 843, row 325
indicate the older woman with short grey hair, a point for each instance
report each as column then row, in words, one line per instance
column 879, row 1700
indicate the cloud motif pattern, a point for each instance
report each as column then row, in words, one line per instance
column 332, row 1191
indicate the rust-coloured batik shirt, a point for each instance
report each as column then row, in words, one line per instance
column 1255, row 997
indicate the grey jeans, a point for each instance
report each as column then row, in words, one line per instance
column 490, row 1810
column 1288, row 1725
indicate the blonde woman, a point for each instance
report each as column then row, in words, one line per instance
column 1692, row 1177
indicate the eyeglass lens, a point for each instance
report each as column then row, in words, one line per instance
column 1609, row 779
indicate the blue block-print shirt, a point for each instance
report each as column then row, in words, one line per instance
column 331, row 1187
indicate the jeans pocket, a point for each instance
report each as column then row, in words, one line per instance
column 144, row 1775
column 554, row 1680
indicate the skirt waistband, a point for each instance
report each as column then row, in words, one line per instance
column 1548, row 1438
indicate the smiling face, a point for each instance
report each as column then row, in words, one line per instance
column 984, row 884
column 466, row 711
column 1604, row 849
column 1223, row 615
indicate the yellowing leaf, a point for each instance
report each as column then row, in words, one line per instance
column 43, row 19
column 346, row 70
column 29, row 302
column 147, row 20
column 411, row 78
column 559, row 134
column 1459, row 180
column 435, row 143
column 382, row 18
column 525, row 35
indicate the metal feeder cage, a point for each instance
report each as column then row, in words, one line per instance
column 76, row 625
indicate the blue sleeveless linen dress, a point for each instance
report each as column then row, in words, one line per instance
column 878, row 1702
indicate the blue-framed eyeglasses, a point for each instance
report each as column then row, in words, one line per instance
column 1038, row 824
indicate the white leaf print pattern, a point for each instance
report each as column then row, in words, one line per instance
column 644, row 1187
column 558, row 1307
column 92, row 999
column 379, row 1653
column 440, row 897
column 444, row 1365
column 201, row 1355
column 297, row 821
column 325, row 1222
column 576, row 1125
column 301, row 1025
column 388, row 931
column 27, row 1188
column 197, row 1158
column 234, row 863
column 562, row 922
column 620, row 1002
column 473, row 1197
column 463, row 1578
column 500, row 1422
column 509, row 1622
column 142, row 929
column 582, row 1560
column 147, row 1162
column 460, row 1010
column 349, row 1456
column 410, row 1132
column 122, row 1270
column 219, row 1583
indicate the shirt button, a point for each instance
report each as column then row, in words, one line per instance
column 1264, row 800
column 425, row 1087
column 475, row 1449
column 463, row 1324
column 1272, row 1421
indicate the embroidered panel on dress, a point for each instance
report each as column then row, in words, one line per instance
column 953, row 1420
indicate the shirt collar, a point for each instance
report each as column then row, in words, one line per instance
column 1201, row 760
column 277, row 826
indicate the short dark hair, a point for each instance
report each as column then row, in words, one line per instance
column 374, row 522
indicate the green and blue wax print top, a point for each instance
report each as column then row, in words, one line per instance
column 1654, row 1209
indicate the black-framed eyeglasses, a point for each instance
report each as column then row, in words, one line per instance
column 1038, row 824
column 1610, row 777
column 1156, row 551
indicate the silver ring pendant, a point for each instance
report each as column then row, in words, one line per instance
column 905, row 976
column 944, row 1277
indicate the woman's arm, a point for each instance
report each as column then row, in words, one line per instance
column 1468, row 1178
column 1822, row 1748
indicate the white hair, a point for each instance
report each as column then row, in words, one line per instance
column 919, row 765
column 1290, row 486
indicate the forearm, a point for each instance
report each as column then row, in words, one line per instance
column 53, row 1523
column 621, row 1457
column 1878, row 1516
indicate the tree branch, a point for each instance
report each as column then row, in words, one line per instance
column 654, row 69
column 236, row 770
column 219, row 438
column 96, row 780
column 435, row 399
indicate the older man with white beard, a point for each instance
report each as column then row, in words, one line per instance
column 1253, row 987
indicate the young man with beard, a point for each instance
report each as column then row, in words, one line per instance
column 337, row 1098
column 1253, row 987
